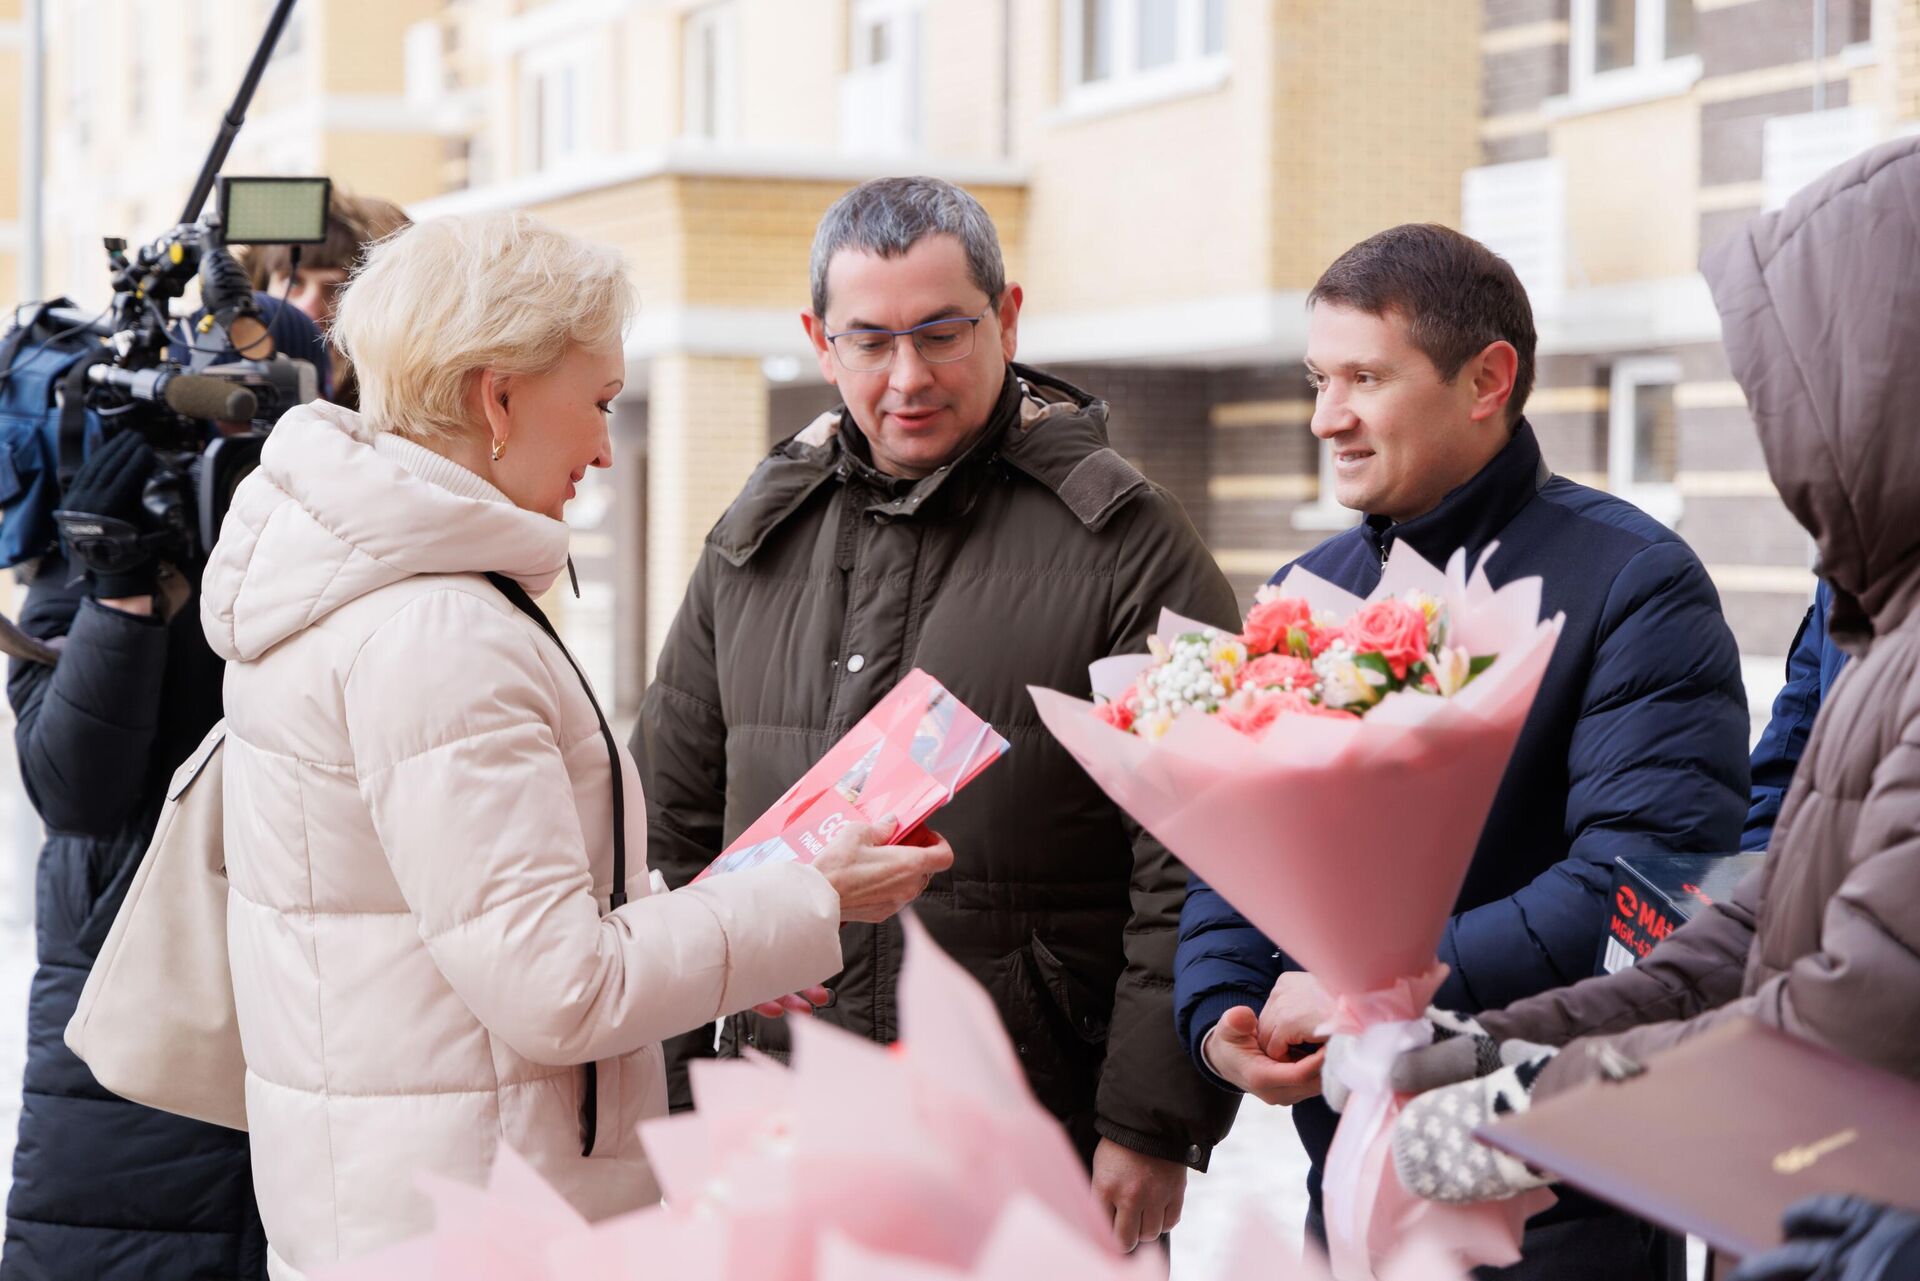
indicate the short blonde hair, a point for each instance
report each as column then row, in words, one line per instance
column 433, row 304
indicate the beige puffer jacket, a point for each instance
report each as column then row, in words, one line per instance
column 1821, row 306
column 419, row 840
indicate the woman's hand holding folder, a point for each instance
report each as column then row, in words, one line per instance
column 874, row 880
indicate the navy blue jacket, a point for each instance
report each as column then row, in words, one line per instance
column 1637, row 744
column 1812, row 668
column 104, row 1188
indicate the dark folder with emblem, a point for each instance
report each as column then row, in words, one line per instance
column 1719, row 1135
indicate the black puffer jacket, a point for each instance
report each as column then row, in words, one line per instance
column 1037, row 552
column 103, row 1188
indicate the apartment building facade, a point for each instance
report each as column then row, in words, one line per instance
column 1619, row 139
column 1168, row 176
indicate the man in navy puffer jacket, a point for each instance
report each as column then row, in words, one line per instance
column 1421, row 352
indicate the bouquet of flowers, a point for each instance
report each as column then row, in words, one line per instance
column 1288, row 658
column 1328, row 771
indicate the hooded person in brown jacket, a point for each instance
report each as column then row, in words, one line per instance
column 1820, row 303
column 964, row 515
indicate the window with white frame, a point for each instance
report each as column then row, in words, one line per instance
column 1626, row 44
column 1859, row 22
column 1118, row 48
column 1795, row 150
column 709, row 40
column 1643, row 435
column 426, row 63
column 880, row 94
column 553, row 112
column 1519, row 210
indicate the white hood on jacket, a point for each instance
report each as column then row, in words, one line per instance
column 337, row 509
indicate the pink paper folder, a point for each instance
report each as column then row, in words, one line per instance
column 1346, row 842
column 907, row 757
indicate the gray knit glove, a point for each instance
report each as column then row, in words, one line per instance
column 1461, row 1051
column 1434, row 1151
column 1458, row 1031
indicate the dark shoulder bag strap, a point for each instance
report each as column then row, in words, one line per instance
column 517, row 596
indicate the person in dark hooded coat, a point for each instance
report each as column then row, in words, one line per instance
column 104, row 1188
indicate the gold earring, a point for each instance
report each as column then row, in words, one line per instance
column 499, row 448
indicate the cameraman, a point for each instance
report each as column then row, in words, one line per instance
column 104, row 1188
column 313, row 282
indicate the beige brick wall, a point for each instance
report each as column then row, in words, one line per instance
column 1374, row 118
column 706, row 428
column 401, row 167
column 1613, row 161
column 360, row 45
column 650, row 84
column 1905, row 17
column 643, row 220
column 730, row 242
column 10, row 88
column 961, row 100
column 1161, row 203
column 746, row 241
column 791, row 55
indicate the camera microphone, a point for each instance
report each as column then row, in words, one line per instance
column 198, row 396
column 190, row 395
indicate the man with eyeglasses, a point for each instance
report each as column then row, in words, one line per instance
column 962, row 514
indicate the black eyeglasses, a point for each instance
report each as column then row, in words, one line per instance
column 939, row 342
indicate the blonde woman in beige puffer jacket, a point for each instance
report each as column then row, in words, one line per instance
column 418, row 793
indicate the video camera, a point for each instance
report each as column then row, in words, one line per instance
column 202, row 389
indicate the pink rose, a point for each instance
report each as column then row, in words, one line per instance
column 1269, row 622
column 1120, row 712
column 1392, row 629
column 1283, row 670
column 1254, row 712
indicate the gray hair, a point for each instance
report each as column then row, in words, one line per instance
column 888, row 216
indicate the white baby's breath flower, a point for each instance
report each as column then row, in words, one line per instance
column 1343, row 682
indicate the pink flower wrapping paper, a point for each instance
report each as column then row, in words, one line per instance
column 928, row 1161
column 1346, row 842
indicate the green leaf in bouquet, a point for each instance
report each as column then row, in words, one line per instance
column 1298, row 644
column 1377, row 663
column 1481, row 664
